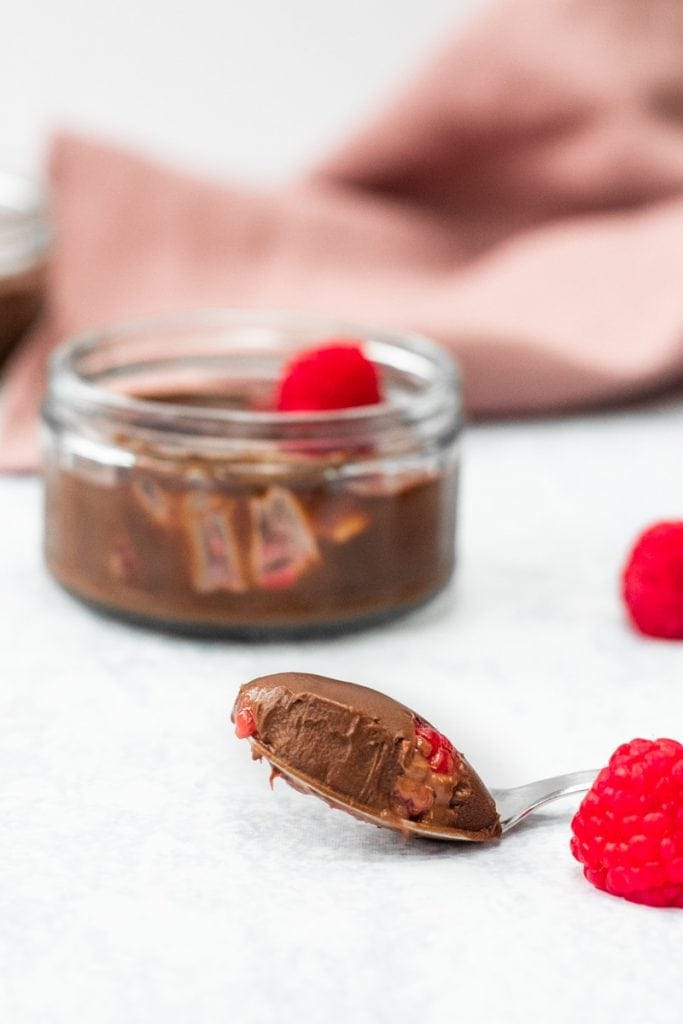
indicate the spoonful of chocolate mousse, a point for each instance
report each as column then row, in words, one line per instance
column 363, row 752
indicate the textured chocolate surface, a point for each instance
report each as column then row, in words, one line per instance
column 192, row 547
column 358, row 747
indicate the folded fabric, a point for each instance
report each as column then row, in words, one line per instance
column 521, row 201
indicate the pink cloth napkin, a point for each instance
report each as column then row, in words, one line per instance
column 521, row 201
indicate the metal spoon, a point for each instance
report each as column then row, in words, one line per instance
column 513, row 805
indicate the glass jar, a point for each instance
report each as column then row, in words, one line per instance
column 176, row 496
column 23, row 253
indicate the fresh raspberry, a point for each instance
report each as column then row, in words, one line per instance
column 439, row 752
column 335, row 375
column 628, row 831
column 652, row 581
column 245, row 723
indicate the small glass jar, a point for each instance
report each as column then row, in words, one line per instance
column 176, row 496
column 24, row 240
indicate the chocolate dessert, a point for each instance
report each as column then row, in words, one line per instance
column 20, row 302
column 360, row 750
column 23, row 256
column 187, row 488
column 220, row 545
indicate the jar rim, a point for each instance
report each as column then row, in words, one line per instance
column 70, row 390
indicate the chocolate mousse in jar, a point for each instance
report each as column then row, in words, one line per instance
column 180, row 494
column 23, row 256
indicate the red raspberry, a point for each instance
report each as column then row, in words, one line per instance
column 245, row 723
column 652, row 581
column 335, row 375
column 628, row 831
column 438, row 751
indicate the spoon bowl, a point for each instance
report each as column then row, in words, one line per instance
column 513, row 805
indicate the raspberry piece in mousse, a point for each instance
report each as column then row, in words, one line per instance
column 437, row 750
column 652, row 581
column 283, row 544
column 628, row 831
column 335, row 375
column 245, row 723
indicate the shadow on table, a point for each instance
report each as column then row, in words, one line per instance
column 316, row 834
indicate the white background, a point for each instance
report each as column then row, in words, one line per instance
column 250, row 88
column 147, row 874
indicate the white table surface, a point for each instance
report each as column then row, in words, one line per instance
column 147, row 873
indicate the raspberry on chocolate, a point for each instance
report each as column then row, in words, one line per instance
column 652, row 581
column 245, row 723
column 439, row 752
column 628, row 831
column 334, row 375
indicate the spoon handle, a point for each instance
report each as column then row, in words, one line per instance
column 514, row 804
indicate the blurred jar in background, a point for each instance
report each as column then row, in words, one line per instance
column 178, row 495
column 24, row 240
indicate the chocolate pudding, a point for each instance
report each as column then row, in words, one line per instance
column 23, row 241
column 21, row 299
column 217, row 544
column 362, row 751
